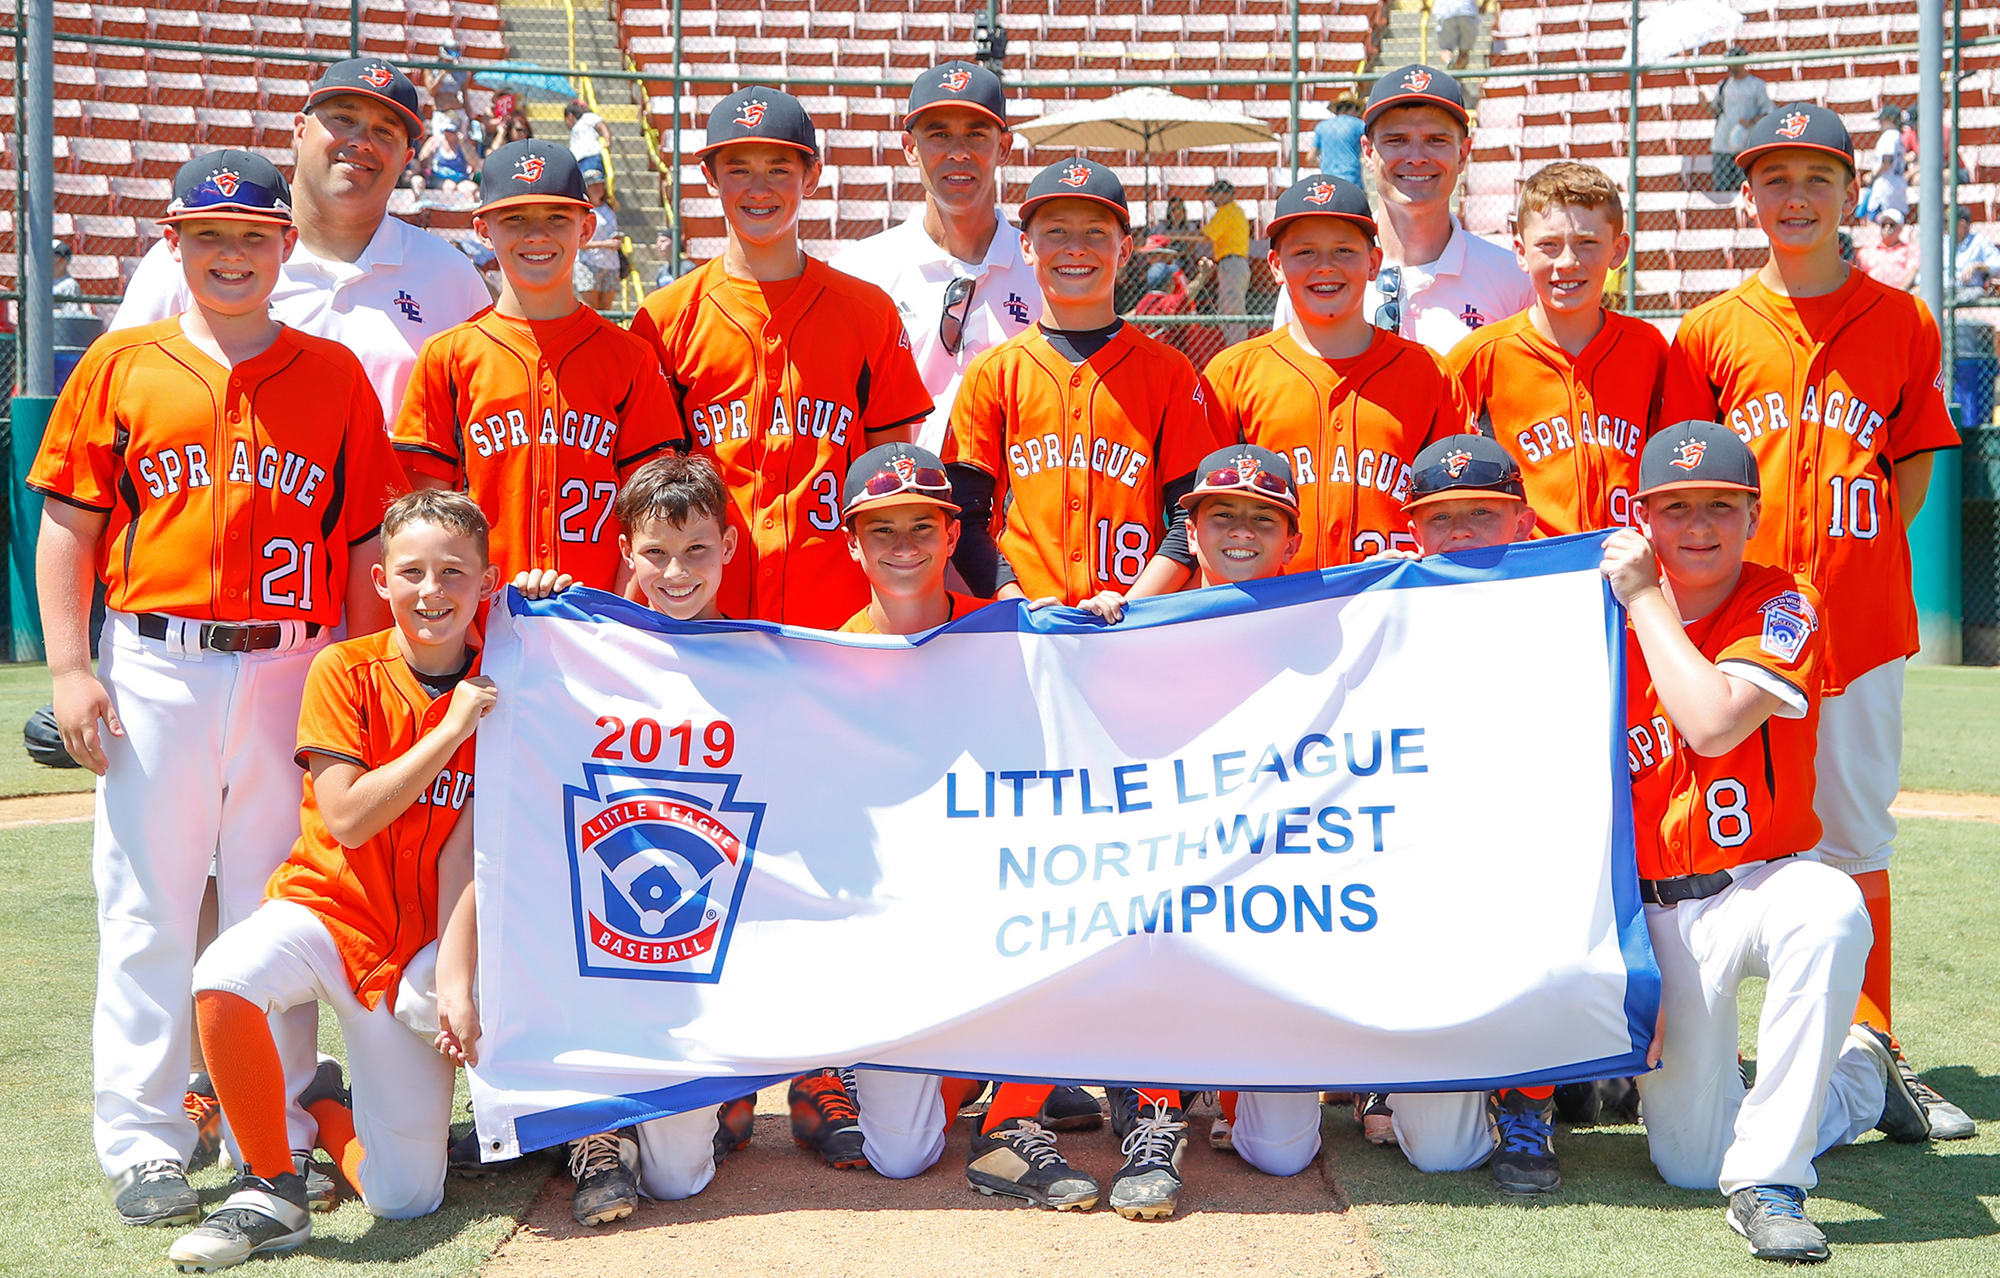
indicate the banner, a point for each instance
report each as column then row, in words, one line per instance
column 1367, row 827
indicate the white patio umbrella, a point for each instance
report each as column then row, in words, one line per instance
column 1685, row 26
column 1150, row 121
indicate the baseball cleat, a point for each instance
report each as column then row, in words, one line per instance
column 1071, row 1109
column 1524, row 1156
column 1220, row 1138
column 1371, row 1110
column 201, row 1108
column 262, row 1218
column 326, row 1084
column 733, row 1123
column 155, row 1192
column 607, row 1188
column 1773, row 1219
column 463, row 1158
column 1619, row 1098
column 1148, row 1186
column 1948, row 1121
column 1903, row 1117
column 1579, row 1104
column 1019, row 1159
column 321, row 1193
column 825, row 1118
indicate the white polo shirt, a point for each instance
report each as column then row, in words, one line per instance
column 1473, row 282
column 407, row 286
column 908, row 265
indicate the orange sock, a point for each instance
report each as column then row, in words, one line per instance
column 1015, row 1100
column 1874, row 1005
column 336, row 1137
column 1534, row 1093
column 1154, row 1095
column 1229, row 1107
column 248, row 1077
column 956, row 1092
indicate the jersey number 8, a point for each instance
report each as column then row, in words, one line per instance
column 1728, row 813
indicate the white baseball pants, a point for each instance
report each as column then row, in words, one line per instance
column 1276, row 1132
column 1801, row 926
column 677, row 1154
column 902, row 1120
column 1858, row 768
column 203, row 774
column 282, row 957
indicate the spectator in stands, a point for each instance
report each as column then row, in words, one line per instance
column 587, row 135
column 65, row 289
column 1454, row 30
column 596, row 272
column 1740, row 101
column 1180, row 231
column 1336, row 141
column 669, row 269
column 448, row 164
column 507, row 123
column 1892, row 259
column 1888, row 188
column 1977, row 260
column 1977, row 264
column 1227, row 236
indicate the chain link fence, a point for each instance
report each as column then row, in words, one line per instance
column 139, row 88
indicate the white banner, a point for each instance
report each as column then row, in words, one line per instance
column 1368, row 827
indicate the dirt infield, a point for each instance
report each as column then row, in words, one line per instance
column 774, row 1209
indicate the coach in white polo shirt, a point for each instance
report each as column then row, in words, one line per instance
column 955, row 267
column 1438, row 281
column 371, row 282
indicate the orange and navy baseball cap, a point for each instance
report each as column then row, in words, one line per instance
column 895, row 475
column 234, row 186
column 760, row 114
column 1246, row 470
column 960, row 84
column 531, row 171
column 1077, row 179
column 1322, row 196
column 1462, row 466
column 1416, row 85
column 1697, row 454
column 371, row 78
column 1800, row 125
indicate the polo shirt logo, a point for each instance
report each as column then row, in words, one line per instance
column 1471, row 316
column 1017, row 310
column 409, row 306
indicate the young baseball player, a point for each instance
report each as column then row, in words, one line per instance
column 787, row 369
column 539, row 406
column 1722, row 693
column 1835, row 381
column 225, row 477
column 1569, row 388
column 1348, row 403
column 385, row 734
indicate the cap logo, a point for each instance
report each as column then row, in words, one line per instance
column 1792, row 125
column 225, row 180
column 956, row 79
column 752, row 113
column 529, row 168
column 1689, row 454
column 1075, row 175
column 905, row 468
column 1456, row 461
column 377, row 76
column 1247, row 466
column 1320, row 193
column 1417, row 81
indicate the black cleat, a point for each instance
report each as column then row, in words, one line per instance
column 1019, row 1159
column 1773, row 1218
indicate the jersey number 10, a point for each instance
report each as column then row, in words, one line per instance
column 1853, row 504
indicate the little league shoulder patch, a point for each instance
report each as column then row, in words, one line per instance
column 1789, row 621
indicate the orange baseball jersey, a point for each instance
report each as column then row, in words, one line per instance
column 1575, row 423
column 230, row 494
column 863, row 624
column 1351, row 428
column 1831, row 393
column 379, row 901
column 540, row 423
column 1080, row 454
column 780, row 384
column 1696, row 815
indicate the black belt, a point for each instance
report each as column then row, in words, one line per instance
column 225, row 636
column 1688, row 887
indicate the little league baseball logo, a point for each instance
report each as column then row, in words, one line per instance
column 1789, row 621
column 752, row 113
column 529, row 168
column 657, row 870
column 1075, row 175
column 1688, row 455
column 956, row 79
column 1320, row 193
column 1417, row 81
column 377, row 76
column 1792, row 125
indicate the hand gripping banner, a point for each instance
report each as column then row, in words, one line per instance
column 1368, row 827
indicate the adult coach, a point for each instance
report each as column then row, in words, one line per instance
column 954, row 267
column 374, row 283
column 1438, row 281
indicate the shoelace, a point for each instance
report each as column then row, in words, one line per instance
column 1781, row 1201
column 594, row 1154
column 830, row 1096
column 158, row 1169
column 1034, row 1142
column 1153, row 1136
column 1925, row 1094
column 1523, row 1131
column 198, row 1108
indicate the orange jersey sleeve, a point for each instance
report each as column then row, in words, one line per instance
column 1694, row 814
column 1829, row 393
column 782, row 398
column 230, row 494
column 540, row 422
column 379, row 900
column 1576, row 423
column 1350, row 427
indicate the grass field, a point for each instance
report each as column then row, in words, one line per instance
column 1889, row 1210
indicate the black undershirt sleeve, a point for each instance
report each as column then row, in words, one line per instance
column 977, row 557
column 1175, row 544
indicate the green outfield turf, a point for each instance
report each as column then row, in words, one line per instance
column 23, row 688
column 1951, row 730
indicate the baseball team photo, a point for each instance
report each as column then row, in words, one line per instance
column 1342, row 637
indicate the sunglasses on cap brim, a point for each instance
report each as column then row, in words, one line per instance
column 925, row 482
column 1228, row 479
column 1474, row 477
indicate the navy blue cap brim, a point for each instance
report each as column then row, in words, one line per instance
column 956, row 102
column 1679, row 484
column 1028, row 207
column 713, row 147
column 530, row 198
column 1463, row 494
